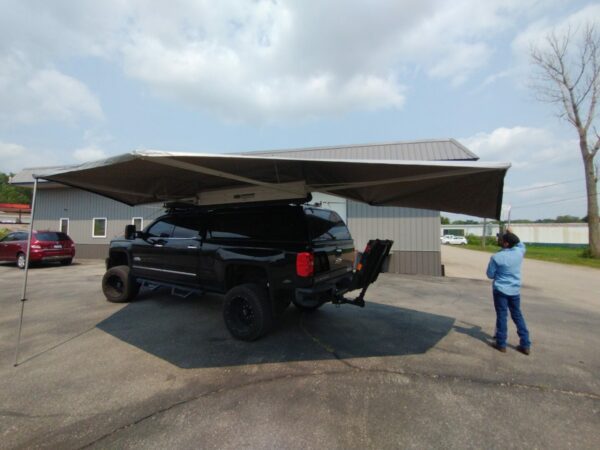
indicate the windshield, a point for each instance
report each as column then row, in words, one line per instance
column 51, row 236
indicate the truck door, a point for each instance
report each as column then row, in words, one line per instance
column 182, row 249
column 148, row 251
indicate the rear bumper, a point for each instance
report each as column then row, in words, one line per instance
column 323, row 292
column 44, row 256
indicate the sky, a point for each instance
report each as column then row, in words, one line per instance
column 83, row 80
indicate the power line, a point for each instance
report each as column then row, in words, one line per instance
column 545, row 186
column 555, row 201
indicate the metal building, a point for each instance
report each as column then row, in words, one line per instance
column 92, row 221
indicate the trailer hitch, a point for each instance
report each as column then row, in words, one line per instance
column 367, row 271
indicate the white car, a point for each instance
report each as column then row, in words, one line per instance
column 454, row 240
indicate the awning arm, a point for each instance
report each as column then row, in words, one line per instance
column 217, row 173
column 431, row 176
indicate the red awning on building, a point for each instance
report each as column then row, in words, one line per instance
column 15, row 207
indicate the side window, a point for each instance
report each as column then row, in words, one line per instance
column 228, row 226
column 326, row 225
column 138, row 222
column 20, row 236
column 187, row 227
column 162, row 228
column 261, row 224
column 64, row 225
column 10, row 237
column 99, row 227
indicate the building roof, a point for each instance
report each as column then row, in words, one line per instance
column 425, row 150
column 25, row 176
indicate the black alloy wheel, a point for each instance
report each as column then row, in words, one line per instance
column 247, row 312
column 118, row 285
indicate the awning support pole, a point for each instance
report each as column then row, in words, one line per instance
column 24, row 292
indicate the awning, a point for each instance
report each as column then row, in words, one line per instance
column 143, row 177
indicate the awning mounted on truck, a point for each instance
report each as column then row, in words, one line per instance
column 153, row 176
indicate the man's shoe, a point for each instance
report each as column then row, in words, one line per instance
column 524, row 350
column 497, row 347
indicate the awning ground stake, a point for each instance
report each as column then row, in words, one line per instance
column 24, row 292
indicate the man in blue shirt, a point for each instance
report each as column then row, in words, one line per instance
column 505, row 269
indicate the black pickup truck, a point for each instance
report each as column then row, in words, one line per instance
column 261, row 257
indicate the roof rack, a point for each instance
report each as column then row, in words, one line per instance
column 172, row 207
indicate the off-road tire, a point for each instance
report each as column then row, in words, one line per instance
column 247, row 312
column 118, row 285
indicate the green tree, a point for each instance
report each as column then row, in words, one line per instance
column 445, row 220
column 13, row 194
column 567, row 219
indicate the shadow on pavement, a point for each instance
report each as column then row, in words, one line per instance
column 190, row 333
column 475, row 331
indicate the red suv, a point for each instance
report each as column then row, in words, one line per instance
column 45, row 246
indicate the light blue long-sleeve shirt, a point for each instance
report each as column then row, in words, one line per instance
column 505, row 269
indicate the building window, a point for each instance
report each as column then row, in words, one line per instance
column 99, row 227
column 138, row 222
column 64, row 225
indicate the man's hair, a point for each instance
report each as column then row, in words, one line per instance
column 511, row 239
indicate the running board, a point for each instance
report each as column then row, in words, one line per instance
column 176, row 290
column 181, row 293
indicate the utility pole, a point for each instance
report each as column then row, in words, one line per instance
column 483, row 238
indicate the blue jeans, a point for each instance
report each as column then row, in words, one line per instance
column 502, row 303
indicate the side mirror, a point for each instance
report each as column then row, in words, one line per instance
column 129, row 232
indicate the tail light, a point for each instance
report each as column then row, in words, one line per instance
column 305, row 264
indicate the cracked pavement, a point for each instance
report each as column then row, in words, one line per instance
column 412, row 369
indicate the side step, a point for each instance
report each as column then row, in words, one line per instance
column 182, row 293
column 176, row 291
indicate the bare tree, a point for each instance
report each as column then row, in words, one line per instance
column 568, row 75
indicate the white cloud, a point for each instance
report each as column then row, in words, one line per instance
column 545, row 168
column 525, row 147
column 29, row 94
column 263, row 60
column 535, row 34
column 90, row 153
column 14, row 157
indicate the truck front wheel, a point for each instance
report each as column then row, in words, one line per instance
column 118, row 285
column 247, row 312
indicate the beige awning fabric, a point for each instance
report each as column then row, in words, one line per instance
column 153, row 176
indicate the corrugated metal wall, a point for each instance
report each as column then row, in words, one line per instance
column 80, row 207
column 415, row 233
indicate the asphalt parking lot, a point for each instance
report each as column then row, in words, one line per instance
column 413, row 369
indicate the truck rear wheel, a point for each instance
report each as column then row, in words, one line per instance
column 247, row 312
column 118, row 285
